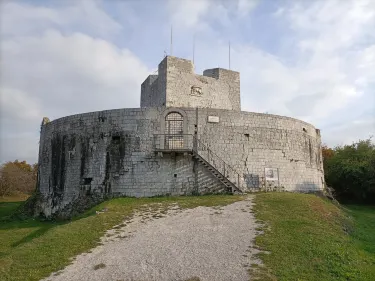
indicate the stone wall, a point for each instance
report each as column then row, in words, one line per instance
column 176, row 85
column 151, row 94
column 111, row 153
column 251, row 142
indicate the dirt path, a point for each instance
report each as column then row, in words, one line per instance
column 206, row 244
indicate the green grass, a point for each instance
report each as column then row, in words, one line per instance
column 10, row 203
column 32, row 249
column 309, row 238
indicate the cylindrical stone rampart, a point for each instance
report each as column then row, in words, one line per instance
column 88, row 157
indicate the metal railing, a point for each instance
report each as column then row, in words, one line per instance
column 189, row 142
column 173, row 142
column 218, row 163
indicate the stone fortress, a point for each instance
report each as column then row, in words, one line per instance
column 189, row 137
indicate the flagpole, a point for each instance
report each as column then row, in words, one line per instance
column 193, row 47
column 229, row 55
column 171, row 41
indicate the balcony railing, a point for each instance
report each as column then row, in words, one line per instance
column 176, row 142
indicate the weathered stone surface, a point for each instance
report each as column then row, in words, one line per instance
column 85, row 158
column 176, row 85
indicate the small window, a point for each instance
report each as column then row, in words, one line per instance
column 116, row 139
column 304, row 129
column 175, row 175
column 87, row 181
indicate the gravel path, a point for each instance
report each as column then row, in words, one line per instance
column 206, row 244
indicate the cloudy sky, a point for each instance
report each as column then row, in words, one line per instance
column 313, row 60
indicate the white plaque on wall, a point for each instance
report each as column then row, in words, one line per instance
column 213, row 119
column 272, row 174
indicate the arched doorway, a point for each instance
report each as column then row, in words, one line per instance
column 174, row 138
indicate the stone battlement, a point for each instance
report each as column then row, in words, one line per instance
column 176, row 85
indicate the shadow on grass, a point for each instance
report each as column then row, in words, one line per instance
column 38, row 227
column 8, row 208
column 35, row 234
column 8, row 221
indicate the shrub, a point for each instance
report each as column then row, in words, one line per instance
column 350, row 171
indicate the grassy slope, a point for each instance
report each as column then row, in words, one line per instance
column 311, row 239
column 31, row 249
column 305, row 237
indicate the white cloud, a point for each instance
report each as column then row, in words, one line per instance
column 75, row 71
column 199, row 14
column 18, row 105
column 24, row 19
column 348, row 133
column 310, row 91
column 244, row 7
column 52, row 74
column 63, row 59
column 188, row 13
column 330, row 67
column 330, row 26
column 333, row 70
column 23, row 146
column 337, row 47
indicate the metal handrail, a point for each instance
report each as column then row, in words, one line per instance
column 189, row 142
column 226, row 167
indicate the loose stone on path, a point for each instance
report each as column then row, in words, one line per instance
column 205, row 243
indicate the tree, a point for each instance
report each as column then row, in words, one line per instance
column 350, row 171
column 327, row 152
column 17, row 177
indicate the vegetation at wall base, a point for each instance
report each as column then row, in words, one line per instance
column 308, row 238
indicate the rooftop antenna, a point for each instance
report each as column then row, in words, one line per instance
column 229, row 55
column 171, row 41
column 193, row 47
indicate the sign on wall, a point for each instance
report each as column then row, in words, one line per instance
column 196, row 91
column 213, row 119
column 271, row 174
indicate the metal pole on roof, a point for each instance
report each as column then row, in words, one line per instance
column 229, row 55
column 171, row 41
column 193, row 47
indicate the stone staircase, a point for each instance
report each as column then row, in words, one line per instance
column 217, row 166
column 223, row 179
column 187, row 143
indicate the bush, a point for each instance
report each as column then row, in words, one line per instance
column 350, row 171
